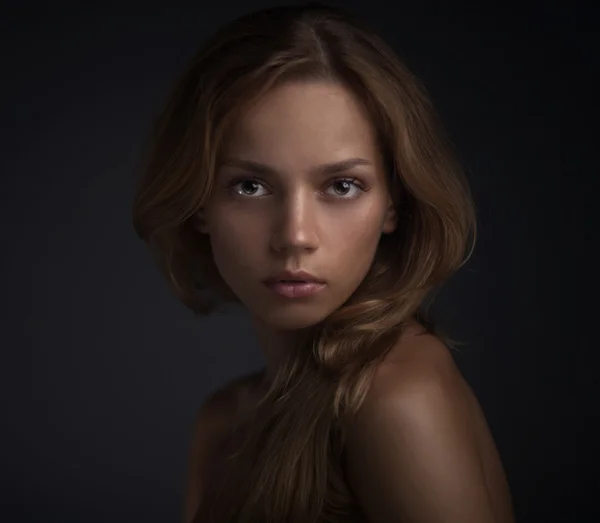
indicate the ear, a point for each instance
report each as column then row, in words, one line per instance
column 199, row 221
column 391, row 218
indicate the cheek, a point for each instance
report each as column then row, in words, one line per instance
column 357, row 244
column 234, row 241
column 355, row 241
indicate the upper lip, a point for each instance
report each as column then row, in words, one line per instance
column 294, row 276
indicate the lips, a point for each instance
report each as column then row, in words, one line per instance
column 293, row 277
column 295, row 289
column 295, row 284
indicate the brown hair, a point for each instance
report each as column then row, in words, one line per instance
column 290, row 465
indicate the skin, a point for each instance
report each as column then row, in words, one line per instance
column 297, row 217
column 420, row 450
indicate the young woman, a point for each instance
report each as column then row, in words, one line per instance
column 299, row 170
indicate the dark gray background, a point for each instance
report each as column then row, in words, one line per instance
column 103, row 370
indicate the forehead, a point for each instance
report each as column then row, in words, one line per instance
column 304, row 121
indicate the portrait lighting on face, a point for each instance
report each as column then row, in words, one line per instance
column 299, row 171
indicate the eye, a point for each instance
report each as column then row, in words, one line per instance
column 246, row 187
column 343, row 188
column 346, row 188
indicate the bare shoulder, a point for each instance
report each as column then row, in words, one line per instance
column 212, row 425
column 420, row 448
column 414, row 376
column 418, row 362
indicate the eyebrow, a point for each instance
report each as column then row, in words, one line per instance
column 326, row 168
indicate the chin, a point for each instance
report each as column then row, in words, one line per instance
column 292, row 318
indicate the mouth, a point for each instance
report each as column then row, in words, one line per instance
column 295, row 284
column 294, row 288
column 294, row 281
column 289, row 277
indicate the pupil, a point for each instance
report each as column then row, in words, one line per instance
column 344, row 184
column 249, row 186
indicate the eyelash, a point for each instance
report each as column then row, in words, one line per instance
column 352, row 181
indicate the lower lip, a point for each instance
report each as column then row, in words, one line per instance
column 295, row 289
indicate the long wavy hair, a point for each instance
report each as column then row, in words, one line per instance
column 289, row 465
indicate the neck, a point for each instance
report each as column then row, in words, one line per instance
column 275, row 345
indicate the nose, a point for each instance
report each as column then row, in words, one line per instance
column 295, row 226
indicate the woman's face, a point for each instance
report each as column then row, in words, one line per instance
column 274, row 207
